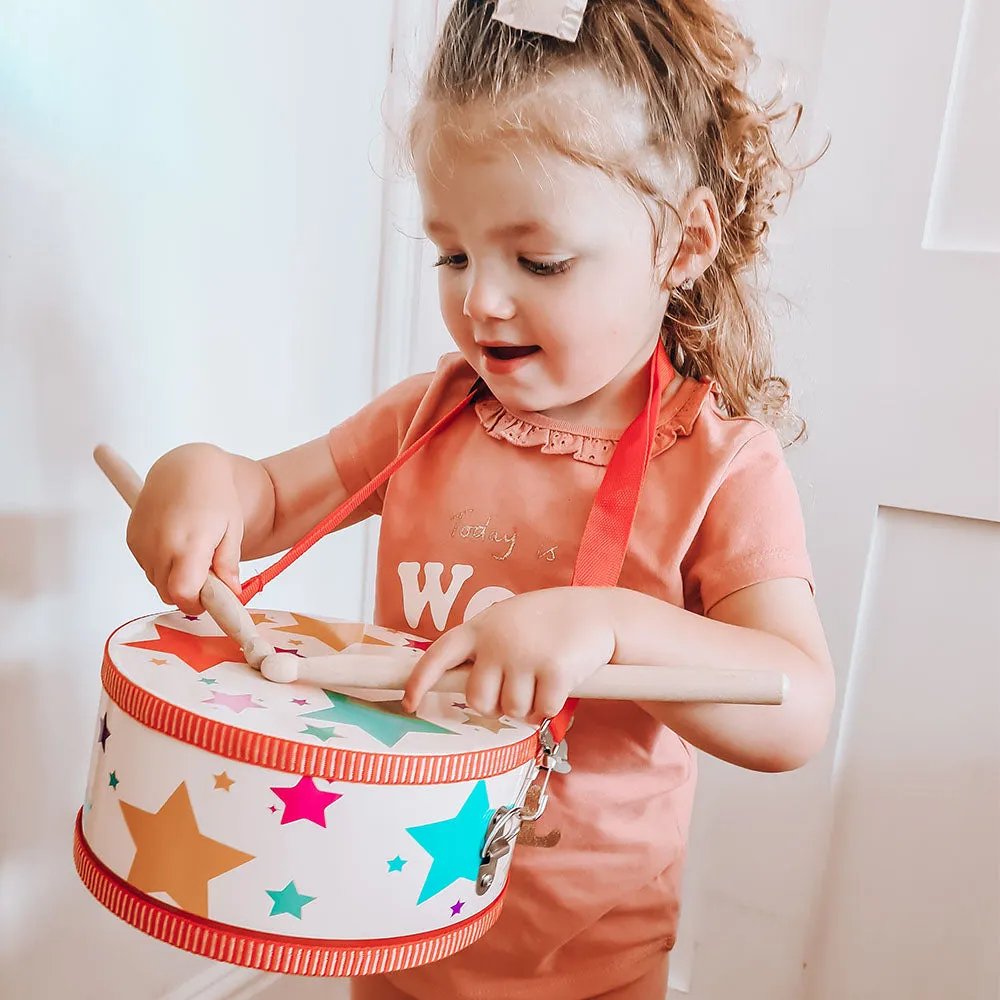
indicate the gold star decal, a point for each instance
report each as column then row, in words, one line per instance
column 159, row 663
column 493, row 725
column 223, row 781
column 337, row 635
column 173, row 856
column 262, row 618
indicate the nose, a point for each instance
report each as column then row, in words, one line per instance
column 487, row 297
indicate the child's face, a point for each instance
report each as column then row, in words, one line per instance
column 546, row 277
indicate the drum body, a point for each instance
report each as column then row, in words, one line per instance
column 286, row 827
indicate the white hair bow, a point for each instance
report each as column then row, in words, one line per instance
column 559, row 18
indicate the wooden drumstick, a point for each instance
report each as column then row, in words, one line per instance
column 621, row 682
column 218, row 600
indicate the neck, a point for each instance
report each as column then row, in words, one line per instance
column 619, row 402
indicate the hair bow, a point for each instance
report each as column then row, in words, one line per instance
column 558, row 18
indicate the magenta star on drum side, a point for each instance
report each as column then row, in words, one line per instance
column 305, row 801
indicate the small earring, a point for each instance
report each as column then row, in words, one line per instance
column 686, row 285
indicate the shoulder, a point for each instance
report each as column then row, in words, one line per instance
column 432, row 394
column 715, row 443
column 426, row 393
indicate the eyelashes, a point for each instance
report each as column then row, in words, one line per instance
column 455, row 260
column 544, row 268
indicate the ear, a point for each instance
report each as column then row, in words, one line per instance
column 700, row 238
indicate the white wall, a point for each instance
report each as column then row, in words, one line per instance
column 189, row 245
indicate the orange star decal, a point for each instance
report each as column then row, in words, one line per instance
column 493, row 725
column 199, row 652
column 223, row 781
column 337, row 635
column 173, row 856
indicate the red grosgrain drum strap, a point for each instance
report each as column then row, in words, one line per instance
column 606, row 535
column 255, row 584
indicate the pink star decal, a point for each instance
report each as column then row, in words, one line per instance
column 457, row 908
column 305, row 801
column 300, row 701
column 273, row 809
column 235, row 702
column 294, row 652
column 421, row 644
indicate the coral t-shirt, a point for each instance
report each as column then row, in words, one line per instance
column 495, row 505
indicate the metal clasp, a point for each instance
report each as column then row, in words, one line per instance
column 502, row 831
column 505, row 823
column 553, row 759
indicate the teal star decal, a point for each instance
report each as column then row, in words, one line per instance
column 321, row 733
column 113, row 780
column 207, row 680
column 455, row 845
column 288, row 900
column 396, row 864
column 385, row 721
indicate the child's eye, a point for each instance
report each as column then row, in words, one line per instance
column 456, row 260
column 546, row 267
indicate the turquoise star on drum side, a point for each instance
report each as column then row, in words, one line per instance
column 288, row 900
column 455, row 844
column 383, row 721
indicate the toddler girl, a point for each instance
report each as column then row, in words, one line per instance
column 597, row 202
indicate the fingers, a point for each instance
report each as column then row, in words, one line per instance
column 482, row 690
column 226, row 562
column 451, row 650
column 187, row 576
column 550, row 696
column 517, row 694
column 177, row 561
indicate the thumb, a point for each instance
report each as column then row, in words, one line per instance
column 226, row 561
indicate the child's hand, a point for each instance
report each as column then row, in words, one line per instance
column 188, row 520
column 527, row 653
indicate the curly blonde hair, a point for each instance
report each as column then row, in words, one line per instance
column 679, row 68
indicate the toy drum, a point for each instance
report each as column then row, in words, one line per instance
column 289, row 828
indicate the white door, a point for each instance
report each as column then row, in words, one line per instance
column 873, row 872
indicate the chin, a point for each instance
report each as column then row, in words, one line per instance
column 526, row 400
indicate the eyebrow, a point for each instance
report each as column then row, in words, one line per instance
column 435, row 228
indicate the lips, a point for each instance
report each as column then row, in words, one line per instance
column 508, row 353
column 506, row 359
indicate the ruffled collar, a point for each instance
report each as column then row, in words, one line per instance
column 593, row 445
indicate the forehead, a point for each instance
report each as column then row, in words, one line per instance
column 576, row 138
column 515, row 187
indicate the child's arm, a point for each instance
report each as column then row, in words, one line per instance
column 529, row 652
column 768, row 626
column 202, row 508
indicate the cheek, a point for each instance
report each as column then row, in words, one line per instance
column 452, row 299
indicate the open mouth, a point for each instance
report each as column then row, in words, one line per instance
column 510, row 353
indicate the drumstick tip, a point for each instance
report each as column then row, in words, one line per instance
column 282, row 668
